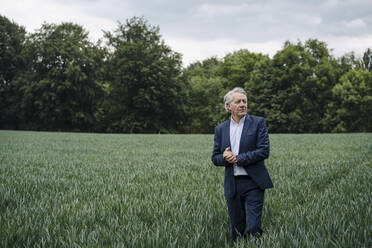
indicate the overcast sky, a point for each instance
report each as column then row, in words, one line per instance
column 199, row 29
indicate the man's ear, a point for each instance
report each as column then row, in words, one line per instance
column 228, row 106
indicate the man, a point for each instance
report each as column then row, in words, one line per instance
column 241, row 144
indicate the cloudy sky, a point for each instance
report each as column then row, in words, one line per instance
column 199, row 29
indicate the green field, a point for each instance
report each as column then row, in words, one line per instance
column 117, row 190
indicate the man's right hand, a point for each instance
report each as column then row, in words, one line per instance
column 229, row 156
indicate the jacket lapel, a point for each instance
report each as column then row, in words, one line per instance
column 244, row 131
column 227, row 134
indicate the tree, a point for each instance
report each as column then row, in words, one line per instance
column 261, row 92
column 351, row 110
column 237, row 67
column 145, row 91
column 205, row 95
column 12, row 40
column 297, row 86
column 62, row 84
column 347, row 62
column 367, row 60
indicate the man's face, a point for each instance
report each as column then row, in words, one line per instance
column 238, row 105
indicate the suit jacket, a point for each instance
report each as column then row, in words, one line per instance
column 254, row 148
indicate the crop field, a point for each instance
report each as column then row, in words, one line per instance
column 119, row 190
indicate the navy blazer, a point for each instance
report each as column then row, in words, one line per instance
column 254, row 148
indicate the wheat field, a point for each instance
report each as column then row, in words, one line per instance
column 121, row 190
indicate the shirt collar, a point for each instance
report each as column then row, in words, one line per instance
column 240, row 122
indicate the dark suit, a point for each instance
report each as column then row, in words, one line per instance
column 240, row 194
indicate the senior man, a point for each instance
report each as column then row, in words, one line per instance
column 241, row 144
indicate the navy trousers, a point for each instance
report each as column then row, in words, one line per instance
column 247, row 202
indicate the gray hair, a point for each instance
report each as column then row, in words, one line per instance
column 228, row 97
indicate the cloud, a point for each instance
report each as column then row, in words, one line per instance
column 200, row 29
column 346, row 44
column 218, row 10
column 356, row 23
column 57, row 12
column 308, row 19
column 332, row 3
column 195, row 50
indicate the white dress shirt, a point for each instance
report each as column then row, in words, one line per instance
column 235, row 135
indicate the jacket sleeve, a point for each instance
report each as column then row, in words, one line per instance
column 262, row 147
column 217, row 156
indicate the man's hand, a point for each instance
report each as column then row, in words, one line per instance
column 229, row 156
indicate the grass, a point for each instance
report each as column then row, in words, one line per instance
column 117, row 190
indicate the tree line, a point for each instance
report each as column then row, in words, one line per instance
column 130, row 81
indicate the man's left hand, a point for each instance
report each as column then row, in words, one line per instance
column 229, row 156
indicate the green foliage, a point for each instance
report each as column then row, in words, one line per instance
column 62, row 84
column 12, row 39
column 292, row 89
column 366, row 62
column 145, row 92
column 116, row 190
column 56, row 79
column 261, row 92
column 352, row 108
column 237, row 67
column 347, row 62
column 205, row 94
column 209, row 81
